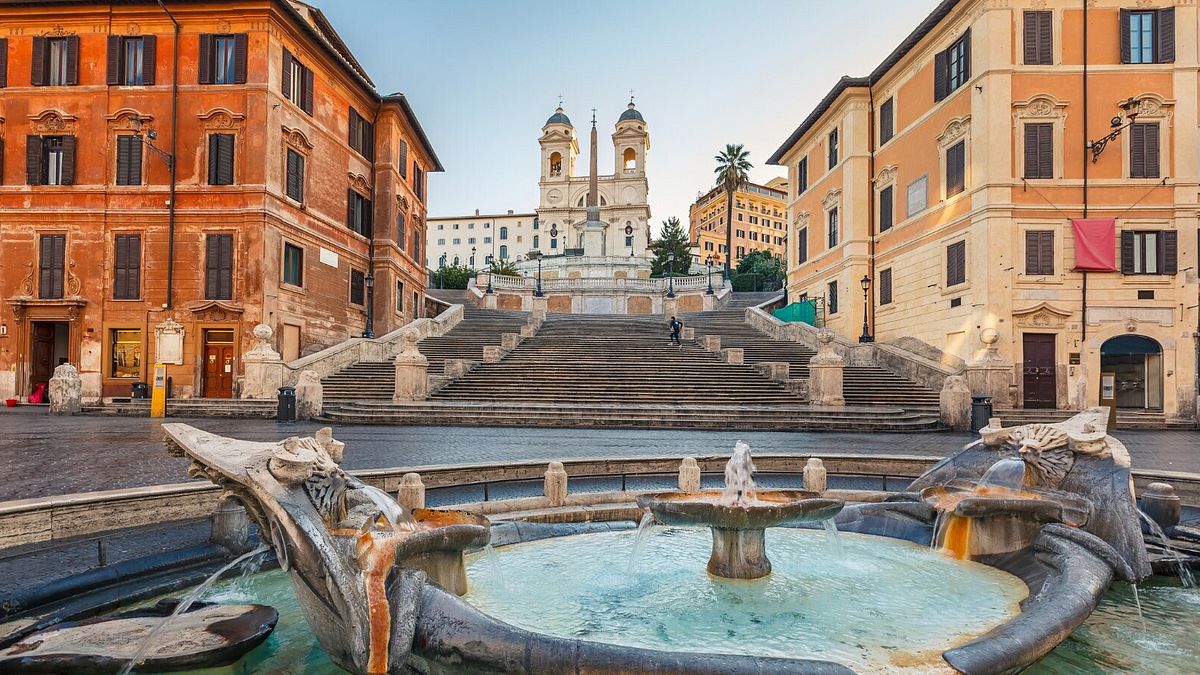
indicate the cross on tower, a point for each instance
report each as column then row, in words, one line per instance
column 560, row 100
column 593, row 117
column 631, row 96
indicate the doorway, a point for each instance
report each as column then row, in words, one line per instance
column 1039, row 370
column 218, row 363
column 1137, row 362
column 49, row 348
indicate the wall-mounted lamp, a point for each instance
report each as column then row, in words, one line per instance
column 1129, row 108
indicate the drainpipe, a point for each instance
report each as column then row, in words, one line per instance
column 871, row 202
column 171, row 167
column 1084, row 159
column 370, row 329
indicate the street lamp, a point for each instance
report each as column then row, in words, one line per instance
column 370, row 282
column 1130, row 107
column 866, row 334
column 491, row 271
column 537, row 255
column 629, row 236
column 708, row 262
column 441, row 270
column 670, row 275
column 473, row 260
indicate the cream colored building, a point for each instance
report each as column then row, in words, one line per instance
column 507, row 236
column 759, row 221
column 950, row 177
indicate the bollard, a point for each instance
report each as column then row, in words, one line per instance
column 412, row 492
column 555, row 484
column 689, row 475
column 1161, row 504
column 814, row 475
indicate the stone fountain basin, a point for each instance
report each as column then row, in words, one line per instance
column 963, row 498
column 445, row 530
column 770, row 508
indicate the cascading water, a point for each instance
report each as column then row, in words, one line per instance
column 833, row 538
column 183, row 606
column 494, row 566
column 1181, row 568
column 739, row 477
column 639, row 541
column 400, row 519
column 1006, row 474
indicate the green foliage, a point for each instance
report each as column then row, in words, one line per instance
column 733, row 171
column 451, row 276
column 673, row 240
column 758, row 271
column 504, row 268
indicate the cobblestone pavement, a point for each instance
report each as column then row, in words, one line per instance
column 42, row 455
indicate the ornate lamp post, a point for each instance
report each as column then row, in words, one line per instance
column 491, row 272
column 866, row 333
column 537, row 255
column 442, row 270
column 369, row 332
column 1130, row 107
column 670, row 275
column 708, row 262
column 629, row 235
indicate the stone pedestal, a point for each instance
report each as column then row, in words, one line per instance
column 412, row 371
column 66, row 391
column 264, row 367
column 412, row 492
column 310, row 395
column 776, row 371
column 825, row 373
column 814, row 475
column 738, row 554
column 990, row 374
column 555, row 484
column 455, row 368
column 231, row 527
column 732, row 355
column 528, row 331
column 689, row 475
column 539, row 308
column 509, row 341
column 493, row 354
column 670, row 307
column 711, row 343
column 689, row 333
column 955, row 402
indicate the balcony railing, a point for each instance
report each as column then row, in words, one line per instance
column 506, row 283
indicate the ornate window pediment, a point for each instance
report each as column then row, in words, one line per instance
column 832, row 198
column 128, row 119
column 359, row 183
column 297, row 140
column 886, row 175
column 956, row 129
column 1042, row 315
column 1153, row 106
column 53, row 122
column 1044, row 106
column 222, row 119
column 802, row 219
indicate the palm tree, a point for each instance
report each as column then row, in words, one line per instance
column 733, row 165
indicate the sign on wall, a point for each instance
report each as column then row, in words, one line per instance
column 918, row 196
column 329, row 257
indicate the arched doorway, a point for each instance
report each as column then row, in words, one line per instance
column 1136, row 361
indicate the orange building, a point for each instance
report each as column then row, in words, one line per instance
column 951, row 182
column 171, row 180
column 759, row 215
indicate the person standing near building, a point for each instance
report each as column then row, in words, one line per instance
column 676, row 328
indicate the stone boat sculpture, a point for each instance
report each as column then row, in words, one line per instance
column 385, row 600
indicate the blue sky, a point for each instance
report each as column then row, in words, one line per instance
column 484, row 76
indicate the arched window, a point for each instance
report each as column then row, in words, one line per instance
column 504, row 253
column 456, row 261
column 630, row 157
column 504, row 233
column 555, row 164
column 583, row 200
column 1136, row 363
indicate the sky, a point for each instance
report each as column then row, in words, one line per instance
column 483, row 76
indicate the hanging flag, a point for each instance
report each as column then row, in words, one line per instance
column 1095, row 244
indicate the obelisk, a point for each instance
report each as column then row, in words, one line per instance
column 594, row 238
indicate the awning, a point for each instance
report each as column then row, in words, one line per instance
column 1095, row 244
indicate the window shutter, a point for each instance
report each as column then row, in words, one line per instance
column 50, row 265
column 940, row 75
column 403, row 159
column 149, row 58
column 966, row 39
column 885, row 208
column 120, row 266
column 213, row 158
column 353, row 128
column 114, row 59
column 1031, row 38
column 1164, row 29
column 239, row 58
column 72, row 59
column 226, row 286
column 218, row 284
column 1125, row 48
column 287, row 74
column 368, row 219
column 886, row 128
column 350, row 208
column 1168, row 253
column 1150, row 139
column 205, row 69
column 885, row 287
column 1046, row 252
column 1031, row 151
column 212, row 254
column 1045, row 42
column 3, row 62
column 1127, row 252
column 33, row 160
column 1046, row 150
column 123, row 152
column 307, row 91
column 1032, row 261
column 68, row 160
column 1137, row 151
column 37, row 62
column 225, row 148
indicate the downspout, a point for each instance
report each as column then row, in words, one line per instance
column 370, row 330
column 171, row 166
column 1086, row 147
column 871, row 204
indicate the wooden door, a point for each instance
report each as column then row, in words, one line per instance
column 1039, row 371
column 41, row 352
column 218, row 364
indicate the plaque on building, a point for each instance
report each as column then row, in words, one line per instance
column 918, row 196
column 329, row 257
column 1074, row 359
column 168, row 342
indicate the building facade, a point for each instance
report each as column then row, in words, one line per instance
column 469, row 240
column 154, row 210
column 759, row 221
column 1005, row 179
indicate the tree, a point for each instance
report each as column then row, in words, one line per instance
column 733, row 166
column 673, row 240
column 451, row 276
column 504, row 268
column 758, row 270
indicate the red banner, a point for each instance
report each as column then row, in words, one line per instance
column 1095, row 244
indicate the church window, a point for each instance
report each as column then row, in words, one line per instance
column 629, row 242
column 456, row 261
column 630, row 157
column 555, row 164
column 457, row 241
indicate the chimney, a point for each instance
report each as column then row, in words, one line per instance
column 476, row 211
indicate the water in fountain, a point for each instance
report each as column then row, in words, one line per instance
column 833, row 538
column 1181, row 568
column 739, row 476
column 494, row 567
column 639, row 541
column 183, row 606
column 1137, row 601
column 400, row 519
column 1006, row 474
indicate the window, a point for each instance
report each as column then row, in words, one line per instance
column 416, row 246
column 740, row 218
column 1150, row 252
column 457, row 241
column 50, row 160
column 1039, row 252
column 293, row 265
column 536, row 237
column 441, row 242
column 400, row 228
column 471, row 240
column 885, row 286
column 802, row 176
column 956, row 263
column 297, row 82
column 833, row 148
column 218, row 267
column 358, row 213
column 295, row 176
column 129, row 160
column 126, row 348
column 503, row 233
column 831, row 298
column 127, row 266
column 3, row 62
column 358, row 288
column 418, row 181
column 1038, row 38
column 886, row 121
column 832, row 217
column 553, row 243
column 1039, row 150
column 220, row 159
column 51, row 265
column 222, row 59
column 403, row 164
column 802, row 245
column 55, row 61
column 1148, row 36
column 741, row 234
column 131, row 60
column 886, row 203
column 400, row 296
column 952, row 67
column 362, row 135
column 503, row 252
column 628, row 241
column 470, row 226
column 955, row 168
column 487, row 240
column 1143, row 150
column 741, row 252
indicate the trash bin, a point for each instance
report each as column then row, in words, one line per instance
column 140, row 390
column 981, row 411
column 286, row 412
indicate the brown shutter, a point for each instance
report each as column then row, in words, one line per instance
column 1031, row 36
column 886, row 122
column 239, row 58
column 114, row 60
column 1168, row 252
column 940, row 75
column 226, row 267
column 368, row 218
column 149, row 58
column 120, row 264
column 1045, row 42
column 287, row 73
column 885, row 287
column 205, row 69
column 1046, row 150
column 350, row 208
column 306, row 91
column 51, row 258
column 1032, row 251
column 37, row 62
column 68, row 160
column 225, row 149
column 33, row 160
column 885, row 208
column 1031, row 151
column 1046, row 252
column 1150, row 138
column 218, row 264
column 1125, row 48
column 213, row 152
column 212, row 251
column 1164, row 29
column 352, row 138
column 1137, row 151
column 3, row 62
column 1127, row 252
column 127, row 266
column 403, row 159
column 123, row 151
column 72, row 59
column 966, row 39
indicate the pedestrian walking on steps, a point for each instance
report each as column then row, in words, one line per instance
column 676, row 328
